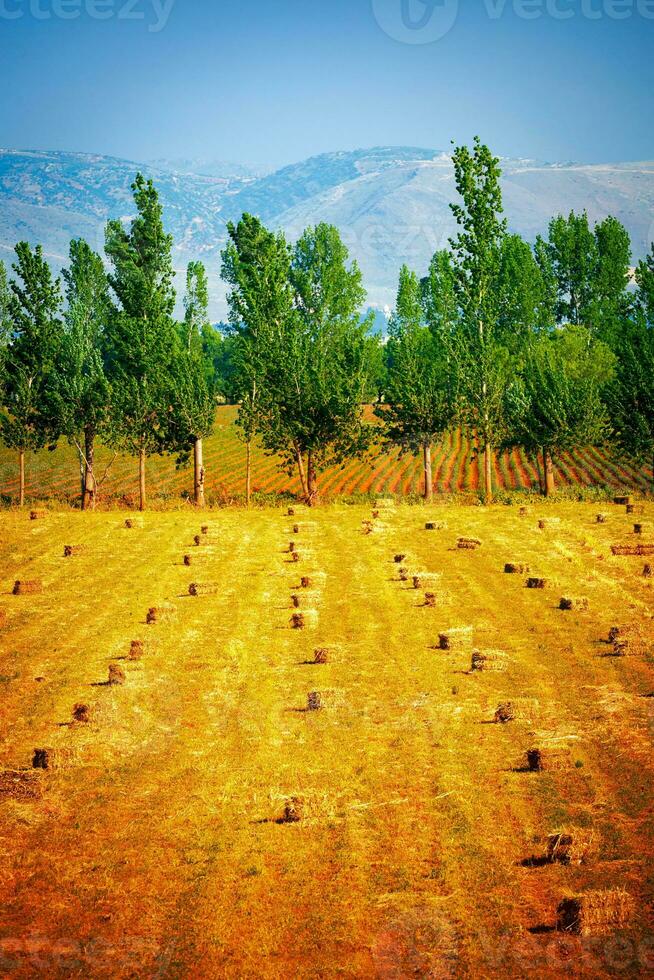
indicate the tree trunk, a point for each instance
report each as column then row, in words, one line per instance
column 541, row 485
column 300, row 469
column 198, row 473
column 248, row 472
column 429, row 480
column 21, row 479
column 488, row 473
column 550, row 486
column 90, row 489
column 312, row 488
column 142, row 498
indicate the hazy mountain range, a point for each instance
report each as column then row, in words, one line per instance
column 390, row 203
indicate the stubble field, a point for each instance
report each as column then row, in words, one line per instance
column 205, row 821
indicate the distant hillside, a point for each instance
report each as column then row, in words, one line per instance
column 390, row 203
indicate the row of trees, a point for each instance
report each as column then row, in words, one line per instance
column 110, row 362
column 547, row 347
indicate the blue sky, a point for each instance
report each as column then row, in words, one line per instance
column 269, row 82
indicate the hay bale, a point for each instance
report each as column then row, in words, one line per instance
column 293, row 810
column 623, row 501
column 403, row 574
column 296, row 529
column 430, row 600
column 468, row 544
column 136, row 650
column 595, row 913
column 314, row 701
column 321, row 655
column 129, row 523
column 554, row 759
column 457, row 639
column 488, row 660
column 20, row 784
column 524, row 512
column 37, row 515
column 204, row 529
column 435, row 526
column 504, row 713
column 25, row 587
column 71, row 550
column 188, row 560
column 202, row 588
column 536, row 583
column 51, row 758
column 197, row 540
column 547, row 522
column 116, row 675
column 624, row 550
column 298, row 621
column 375, row 515
column 578, row 605
column 601, row 518
column 647, row 571
column 291, row 546
column 295, row 601
column 644, row 550
column 82, row 713
column 305, row 582
column 515, row 568
column 577, row 846
column 398, row 559
column 291, row 512
column 161, row 614
column 641, row 528
column 295, row 556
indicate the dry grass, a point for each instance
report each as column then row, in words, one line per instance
column 158, row 840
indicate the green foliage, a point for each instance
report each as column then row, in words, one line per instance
column 28, row 420
column 142, row 340
column 193, row 402
column 555, row 403
column 80, row 383
column 480, row 344
column 419, row 389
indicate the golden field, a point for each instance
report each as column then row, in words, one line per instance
column 161, row 839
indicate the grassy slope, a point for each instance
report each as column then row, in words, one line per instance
column 455, row 468
column 157, row 848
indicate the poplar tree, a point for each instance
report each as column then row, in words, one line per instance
column 28, row 420
column 419, row 391
column 80, row 382
column 256, row 265
column 142, row 339
column 480, row 354
column 194, row 404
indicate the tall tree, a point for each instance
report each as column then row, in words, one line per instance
column 555, row 403
column 419, row 391
column 80, row 383
column 256, row 265
column 611, row 304
column 142, row 339
column 327, row 357
column 27, row 422
column 572, row 251
column 194, row 404
column 5, row 317
column 480, row 353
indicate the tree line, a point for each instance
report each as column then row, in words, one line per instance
column 547, row 347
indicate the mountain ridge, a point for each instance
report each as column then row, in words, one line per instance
column 391, row 203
